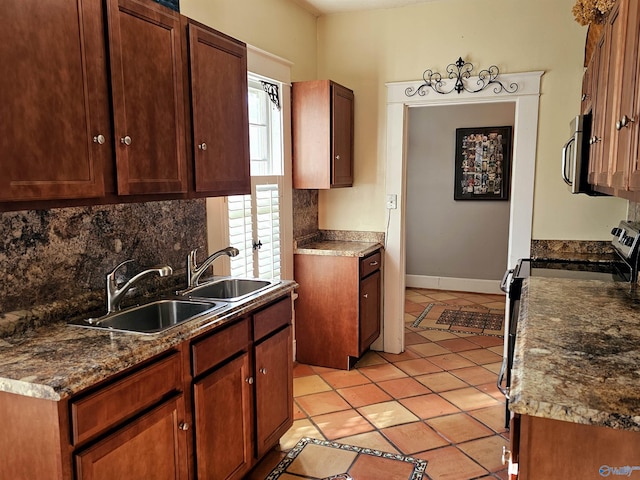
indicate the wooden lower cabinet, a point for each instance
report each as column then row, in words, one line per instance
column 548, row 448
column 191, row 412
column 222, row 403
column 338, row 308
column 274, row 389
column 152, row 446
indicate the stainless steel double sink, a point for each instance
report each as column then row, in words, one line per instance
column 160, row 315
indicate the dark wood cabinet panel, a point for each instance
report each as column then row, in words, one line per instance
column 53, row 93
column 322, row 119
column 146, row 65
column 153, row 446
column 369, row 310
column 219, row 103
column 274, row 389
column 223, row 421
column 342, row 134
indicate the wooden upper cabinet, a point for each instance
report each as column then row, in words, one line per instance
column 53, row 93
column 323, row 118
column 219, row 104
column 626, row 175
column 145, row 49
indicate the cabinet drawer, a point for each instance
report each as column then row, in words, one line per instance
column 219, row 346
column 123, row 398
column 271, row 318
column 370, row 264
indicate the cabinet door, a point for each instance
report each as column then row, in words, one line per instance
column 154, row 446
column 342, row 136
column 633, row 110
column 625, row 113
column 53, row 93
column 220, row 112
column 369, row 310
column 145, row 51
column 610, row 81
column 274, row 389
column 223, row 421
column 595, row 142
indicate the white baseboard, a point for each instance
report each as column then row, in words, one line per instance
column 456, row 284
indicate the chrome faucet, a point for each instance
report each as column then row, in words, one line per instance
column 194, row 272
column 115, row 293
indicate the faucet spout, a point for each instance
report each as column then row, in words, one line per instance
column 115, row 293
column 195, row 271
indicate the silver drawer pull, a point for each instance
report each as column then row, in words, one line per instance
column 374, row 263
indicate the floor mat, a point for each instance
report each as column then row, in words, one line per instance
column 322, row 460
column 453, row 318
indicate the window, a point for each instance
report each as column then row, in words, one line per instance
column 254, row 220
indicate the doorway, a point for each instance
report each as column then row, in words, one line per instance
column 526, row 100
column 458, row 242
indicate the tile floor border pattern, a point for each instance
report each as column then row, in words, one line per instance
column 419, row 465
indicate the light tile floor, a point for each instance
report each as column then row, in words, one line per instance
column 437, row 400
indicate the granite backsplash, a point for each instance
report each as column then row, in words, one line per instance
column 551, row 248
column 58, row 258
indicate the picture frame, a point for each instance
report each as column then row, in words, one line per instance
column 483, row 163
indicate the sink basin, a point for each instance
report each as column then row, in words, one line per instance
column 152, row 317
column 229, row 289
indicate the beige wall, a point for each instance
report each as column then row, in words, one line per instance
column 280, row 27
column 366, row 49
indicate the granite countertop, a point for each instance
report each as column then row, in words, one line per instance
column 339, row 248
column 577, row 354
column 58, row 360
column 339, row 243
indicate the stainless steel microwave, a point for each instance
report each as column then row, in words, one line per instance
column 575, row 156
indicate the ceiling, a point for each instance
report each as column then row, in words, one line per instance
column 326, row 7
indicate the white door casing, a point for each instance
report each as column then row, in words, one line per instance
column 526, row 100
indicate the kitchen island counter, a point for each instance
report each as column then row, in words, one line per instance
column 577, row 354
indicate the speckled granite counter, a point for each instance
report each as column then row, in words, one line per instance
column 577, row 355
column 58, row 360
column 339, row 248
column 339, row 243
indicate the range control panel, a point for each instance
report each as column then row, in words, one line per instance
column 626, row 238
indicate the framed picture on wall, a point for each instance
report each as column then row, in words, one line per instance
column 482, row 163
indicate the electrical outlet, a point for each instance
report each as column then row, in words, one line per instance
column 392, row 201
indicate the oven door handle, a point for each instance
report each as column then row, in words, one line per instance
column 503, row 369
column 505, row 280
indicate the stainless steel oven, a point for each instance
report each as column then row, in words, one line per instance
column 621, row 265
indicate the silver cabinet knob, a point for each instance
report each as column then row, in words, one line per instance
column 366, row 295
column 506, row 455
column 126, row 140
column 183, row 426
column 202, row 146
column 263, row 371
column 624, row 122
column 337, row 157
column 99, row 139
column 249, row 380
